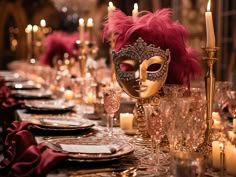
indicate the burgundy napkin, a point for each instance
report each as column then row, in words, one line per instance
column 6, row 99
column 23, row 157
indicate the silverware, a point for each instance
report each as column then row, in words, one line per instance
column 123, row 172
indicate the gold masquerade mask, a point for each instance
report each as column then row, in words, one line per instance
column 141, row 69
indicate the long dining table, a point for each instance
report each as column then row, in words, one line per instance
column 78, row 141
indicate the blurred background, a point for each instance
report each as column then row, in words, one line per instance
column 64, row 14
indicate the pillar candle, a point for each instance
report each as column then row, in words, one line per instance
column 230, row 158
column 91, row 98
column 216, row 116
column 68, row 95
column 209, row 27
column 216, row 154
column 126, row 121
column 234, row 125
column 81, row 29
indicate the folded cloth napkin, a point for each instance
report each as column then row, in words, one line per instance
column 23, row 157
column 6, row 99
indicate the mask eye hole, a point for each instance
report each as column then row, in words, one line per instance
column 154, row 67
column 126, row 67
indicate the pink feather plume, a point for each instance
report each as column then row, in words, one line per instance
column 58, row 43
column 157, row 28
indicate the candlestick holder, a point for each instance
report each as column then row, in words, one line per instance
column 82, row 57
column 112, row 66
column 210, row 60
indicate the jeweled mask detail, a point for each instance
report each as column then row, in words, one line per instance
column 141, row 51
column 141, row 69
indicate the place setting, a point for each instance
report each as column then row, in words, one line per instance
column 91, row 149
column 46, row 106
column 32, row 94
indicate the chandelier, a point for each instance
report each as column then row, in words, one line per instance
column 78, row 7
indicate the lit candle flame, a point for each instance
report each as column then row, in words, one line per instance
column 90, row 22
column 42, row 23
column 35, row 28
column 81, row 21
column 209, row 6
column 29, row 28
column 136, row 6
column 111, row 4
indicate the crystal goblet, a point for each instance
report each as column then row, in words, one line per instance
column 112, row 98
column 156, row 127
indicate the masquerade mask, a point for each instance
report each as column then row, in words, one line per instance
column 141, row 69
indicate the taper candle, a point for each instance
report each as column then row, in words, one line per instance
column 90, row 29
column 81, row 29
column 28, row 31
column 135, row 10
column 110, row 8
column 209, row 27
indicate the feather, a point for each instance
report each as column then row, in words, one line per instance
column 157, row 28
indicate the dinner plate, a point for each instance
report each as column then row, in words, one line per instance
column 23, row 85
column 62, row 122
column 49, row 106
column 91, row 149
column 31, row 94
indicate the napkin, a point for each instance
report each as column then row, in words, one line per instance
column 89, row 149
column 7, row 106
column 6, row 99
column 23, row 156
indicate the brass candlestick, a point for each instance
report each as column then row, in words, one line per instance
column 82, row 57
column 112, row 66
column 210, row 60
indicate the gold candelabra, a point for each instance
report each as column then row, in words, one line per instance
column 210, row 60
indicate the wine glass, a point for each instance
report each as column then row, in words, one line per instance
column 156, row 126
column 112, row 98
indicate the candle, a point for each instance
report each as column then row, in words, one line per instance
column 81, row 29
column 230, row 158
column 216, row 124
column 234, row 125
column 135, row 10
column 209, row 27
column 35, row 31
column 28, row 31
column 68, row 95
column 216, row 116
column 90, row 29
column 91, row 98
column 43, row 23
column 110, row 8
column 216, row 154
column 126, row 121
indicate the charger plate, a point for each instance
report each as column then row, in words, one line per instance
column 49, row 106
column 119, row 150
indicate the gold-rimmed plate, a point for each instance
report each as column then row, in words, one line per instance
column 65, row 123
column 32, row 94
column 91, row 149
column 49, row 106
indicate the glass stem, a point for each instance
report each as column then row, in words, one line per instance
column 110, row 124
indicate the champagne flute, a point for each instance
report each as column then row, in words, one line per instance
column 112, row 97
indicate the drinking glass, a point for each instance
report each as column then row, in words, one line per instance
column 222, row 89
column 112, row 98
column 156, row 126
